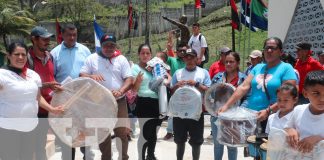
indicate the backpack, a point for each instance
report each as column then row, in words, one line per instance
column 206, row 54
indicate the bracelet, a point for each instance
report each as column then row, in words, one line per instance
column 269, row 110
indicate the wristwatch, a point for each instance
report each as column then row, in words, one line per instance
column 197, row 84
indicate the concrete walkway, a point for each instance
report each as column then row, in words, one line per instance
column 165, row 150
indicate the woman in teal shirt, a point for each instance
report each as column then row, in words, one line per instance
column 147, row 105
column 263, row 81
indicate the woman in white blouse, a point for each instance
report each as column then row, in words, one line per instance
column 19, row 100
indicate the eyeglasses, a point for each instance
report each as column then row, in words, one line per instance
column 270, row 47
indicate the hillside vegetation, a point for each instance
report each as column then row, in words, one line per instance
column 217, row 30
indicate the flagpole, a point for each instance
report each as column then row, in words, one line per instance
column 250, row 27
column 129, row 27
column 147, row 32
column 244, row 43
column 239, row 41
column 233, row 33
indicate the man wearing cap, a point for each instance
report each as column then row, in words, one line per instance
column 321, row 57
column 197, row 77
column 112, row 70
column 198, row 42
column 40, row 60
column 255, row 58
column 68, row 58
column 305, row 64
column 219, row 66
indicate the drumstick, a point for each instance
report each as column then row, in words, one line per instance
column 69, row 102
column 264, row 140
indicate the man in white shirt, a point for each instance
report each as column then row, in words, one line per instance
column 112, row 70
column 199, row 78
column 198, row 43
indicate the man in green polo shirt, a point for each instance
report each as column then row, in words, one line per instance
column 175, row 63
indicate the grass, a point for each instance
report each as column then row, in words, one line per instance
column 217, row 30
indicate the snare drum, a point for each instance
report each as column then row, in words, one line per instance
column 263, row 151
column 235, row 126
column 186, row 102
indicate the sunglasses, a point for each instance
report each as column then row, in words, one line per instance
column 181, row 51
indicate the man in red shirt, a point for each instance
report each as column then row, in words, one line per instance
column 40, row 61
column 219, row 66
column 305, row 64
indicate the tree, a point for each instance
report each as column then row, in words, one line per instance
column 78, row 12
column 14, row 21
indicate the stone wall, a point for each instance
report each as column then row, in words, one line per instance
column 119, row 25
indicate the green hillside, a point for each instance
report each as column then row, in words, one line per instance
column 217, row 30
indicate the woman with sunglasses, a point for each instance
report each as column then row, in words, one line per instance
column 264, row 80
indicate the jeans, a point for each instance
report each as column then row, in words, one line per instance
column 170, row 125
column 219, row 148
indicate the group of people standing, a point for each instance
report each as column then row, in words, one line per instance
column 32, row 74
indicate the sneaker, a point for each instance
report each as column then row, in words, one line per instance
column 210, row 137
column 168, row 136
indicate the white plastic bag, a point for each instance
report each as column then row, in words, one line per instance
column 235, row 126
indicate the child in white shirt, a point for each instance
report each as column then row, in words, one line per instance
column 159, row 69
column 287, row 97
column 305, row 129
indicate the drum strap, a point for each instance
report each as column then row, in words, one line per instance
column 265, row 87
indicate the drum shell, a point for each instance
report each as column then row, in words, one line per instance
column 235, row 126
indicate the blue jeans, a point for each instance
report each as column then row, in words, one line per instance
column 219, row 148
column 170, row 125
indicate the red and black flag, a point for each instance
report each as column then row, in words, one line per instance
column 59, row 38
column 197, row 4
column 130, row 16
column 235, row 17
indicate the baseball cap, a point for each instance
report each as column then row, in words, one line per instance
column 225, row 50
column 40, row 32
column 304, row 46
column 191, row 52
column 107, row 38
column 255, row 54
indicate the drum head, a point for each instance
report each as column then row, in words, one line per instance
column 90, row 113
column 186, row 102
column 217, row 95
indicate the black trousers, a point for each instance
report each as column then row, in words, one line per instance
column 147, row 111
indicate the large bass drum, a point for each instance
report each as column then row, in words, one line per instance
column 217, row 95
column 90, row 113
column 186, row 102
